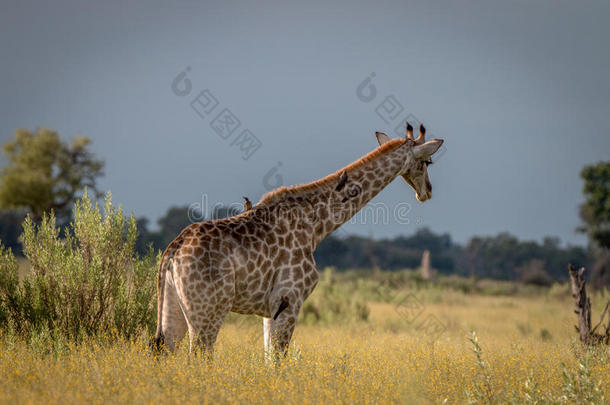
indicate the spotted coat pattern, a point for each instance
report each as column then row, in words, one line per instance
column 261, row 261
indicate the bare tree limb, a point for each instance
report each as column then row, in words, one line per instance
column 583, row 309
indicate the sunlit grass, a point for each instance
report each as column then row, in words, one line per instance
column 386, row 360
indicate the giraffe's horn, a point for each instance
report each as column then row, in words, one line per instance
column 422, row 134
column 409, row 131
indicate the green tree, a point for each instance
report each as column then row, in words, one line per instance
column 46, row 173
column 172, row 223
column 595, row 214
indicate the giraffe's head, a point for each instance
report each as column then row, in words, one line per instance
column 418, row 158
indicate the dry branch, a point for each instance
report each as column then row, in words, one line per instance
column 582, row 308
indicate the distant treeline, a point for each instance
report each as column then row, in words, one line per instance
column 500, row 257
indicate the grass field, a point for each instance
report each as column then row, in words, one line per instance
column 413, row 348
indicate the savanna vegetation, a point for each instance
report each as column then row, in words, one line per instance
column 77, row 313
column 78, row 296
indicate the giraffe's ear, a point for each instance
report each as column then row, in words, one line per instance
column 382, row 138
column 428, row 148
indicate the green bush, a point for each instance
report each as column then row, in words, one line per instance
column 89, row 282
column 9, row 285
column 333, row 302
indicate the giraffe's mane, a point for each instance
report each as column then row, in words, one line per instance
column 331, row 179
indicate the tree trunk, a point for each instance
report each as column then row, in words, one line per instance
column 582, row 303
column 426, row 272
column 583, row 310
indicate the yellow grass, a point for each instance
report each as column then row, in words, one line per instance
column 388, row 360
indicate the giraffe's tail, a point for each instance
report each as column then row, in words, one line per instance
column 157, row 341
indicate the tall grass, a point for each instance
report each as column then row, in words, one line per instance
column 337, row 364
column 74, row 328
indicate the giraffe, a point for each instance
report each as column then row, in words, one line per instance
column 261, row 261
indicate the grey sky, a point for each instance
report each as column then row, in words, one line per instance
column 519, row 90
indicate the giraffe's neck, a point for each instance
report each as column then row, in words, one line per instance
column 363, row 184
column 323, row 208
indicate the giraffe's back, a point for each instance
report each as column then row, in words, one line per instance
column 230, row 253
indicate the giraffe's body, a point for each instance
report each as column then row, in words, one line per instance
column 261, row 261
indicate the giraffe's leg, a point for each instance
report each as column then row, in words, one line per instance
column 174, row 324
column 204, row 330
column 282, row 325
column 281, row 331
column 267, row 336
column 285, row 303
column 206, row 300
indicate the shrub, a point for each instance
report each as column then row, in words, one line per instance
column 87, row 283
column 560, row 290
column 534, row 272
column 9, row 283
column 334, row 301
column 579, row 387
